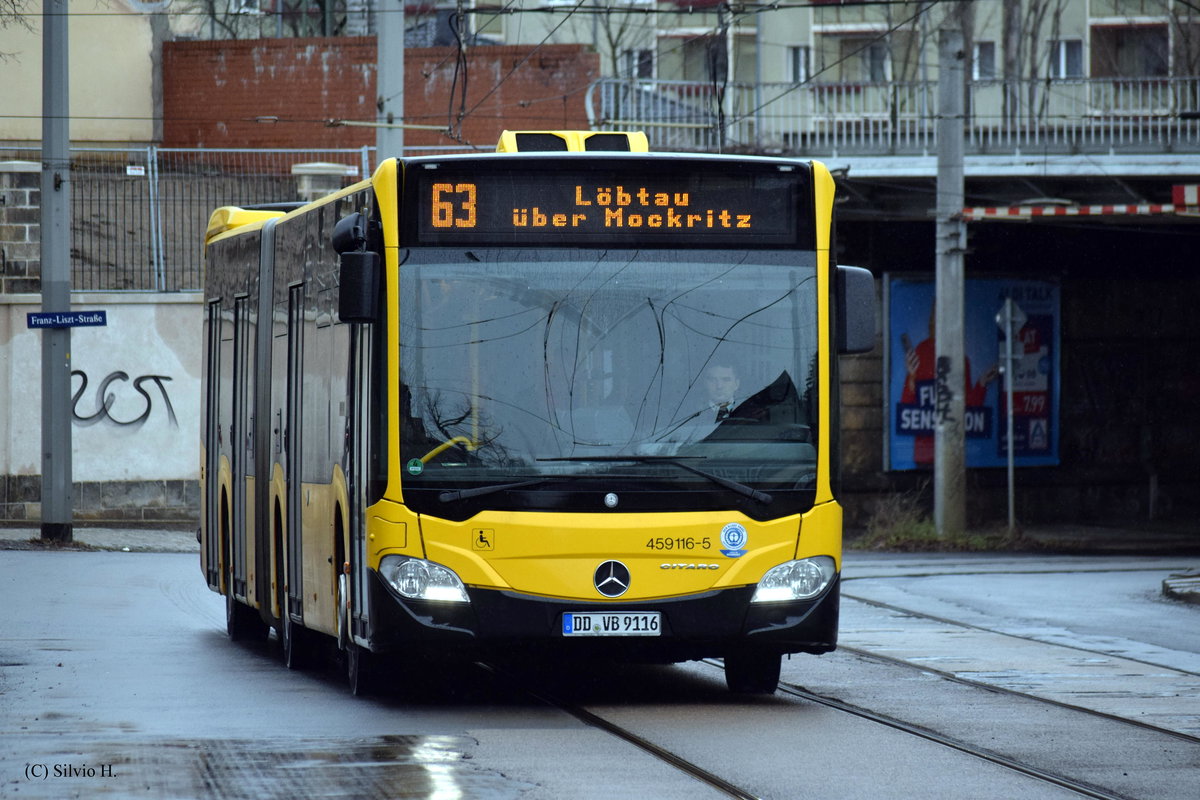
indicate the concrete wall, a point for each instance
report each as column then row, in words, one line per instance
column 134, row 414
column 112, row 73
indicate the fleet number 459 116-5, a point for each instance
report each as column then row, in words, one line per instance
column 678, row 543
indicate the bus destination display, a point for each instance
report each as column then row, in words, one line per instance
column 559, row 207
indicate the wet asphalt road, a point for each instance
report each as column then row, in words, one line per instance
column 116, row 680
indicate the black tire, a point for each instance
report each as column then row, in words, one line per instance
column 343, row 637
column 297, row 643
column 752, row 671
column 361, row 671
column 242, row 623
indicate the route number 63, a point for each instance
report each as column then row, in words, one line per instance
column 454, row 205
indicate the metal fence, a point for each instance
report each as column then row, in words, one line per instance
column 1066, row 116
column 189, row 184
column 138, row 215
column 158, row 231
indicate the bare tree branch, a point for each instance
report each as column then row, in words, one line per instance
column 12, row 12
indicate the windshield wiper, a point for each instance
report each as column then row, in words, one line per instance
column 678, row 461
column 480, row 491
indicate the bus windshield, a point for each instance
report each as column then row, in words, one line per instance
column 532, row 376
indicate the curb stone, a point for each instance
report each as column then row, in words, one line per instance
column 110, row 539
column 1183, row 586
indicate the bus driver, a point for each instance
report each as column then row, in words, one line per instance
column 721, row 382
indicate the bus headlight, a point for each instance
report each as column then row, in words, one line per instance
column 795, row 580
column 422, row 580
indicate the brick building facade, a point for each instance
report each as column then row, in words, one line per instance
column 283, row 93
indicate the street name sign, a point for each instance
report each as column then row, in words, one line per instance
column 66, row 319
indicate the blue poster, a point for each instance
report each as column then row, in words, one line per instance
column 911, row 373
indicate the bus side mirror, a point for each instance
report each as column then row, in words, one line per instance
column 350, row 233
column 358, row 293
column 358, row 270
column 855, row 310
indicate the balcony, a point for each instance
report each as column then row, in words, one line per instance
column 1070, row 116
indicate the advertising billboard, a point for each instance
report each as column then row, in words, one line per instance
column 911, row 372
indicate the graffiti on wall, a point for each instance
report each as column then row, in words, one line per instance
column 118, row 390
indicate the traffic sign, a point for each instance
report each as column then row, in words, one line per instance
column 66, row 319
column 1016, row 318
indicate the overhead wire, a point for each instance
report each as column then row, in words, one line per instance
column 579, row 8
column 517, row 66
column 15, row 13
column 461, row 73
column 870, row 42
column 428, row 72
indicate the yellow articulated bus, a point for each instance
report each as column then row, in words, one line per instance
column 569, row 398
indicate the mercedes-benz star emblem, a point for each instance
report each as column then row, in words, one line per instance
column 612, row 579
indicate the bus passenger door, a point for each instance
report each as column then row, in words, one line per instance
column 240, row 444
column 293, row 444
column 212, row 444
column 358, row 422
column 261, row 416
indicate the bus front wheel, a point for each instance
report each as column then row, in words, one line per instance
column 752, row 671
column 361, row 670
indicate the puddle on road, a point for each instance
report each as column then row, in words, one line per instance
column 391, row 767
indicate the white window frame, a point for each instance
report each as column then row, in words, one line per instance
column 983, row 47
column 631, row 58
column 1060, row 58
column 800, row 62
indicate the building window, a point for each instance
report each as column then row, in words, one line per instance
column 862, row 59
column 1066, row 58
column 637, row 63
column 800, row 58
column 1130, row 51
column 705, row 58
column 985, row 61
column 868, row 58
column 1187, row 48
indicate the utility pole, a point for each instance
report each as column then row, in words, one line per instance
column 759, row 43
column 1010, row 11
column 389, row 80
column 55, row 227
column 720, row 71
column 949, row 458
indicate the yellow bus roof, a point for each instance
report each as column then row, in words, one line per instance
column 227, row 218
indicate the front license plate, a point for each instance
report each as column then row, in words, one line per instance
column 613, row 623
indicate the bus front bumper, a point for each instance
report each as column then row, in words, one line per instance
column 696, row 626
